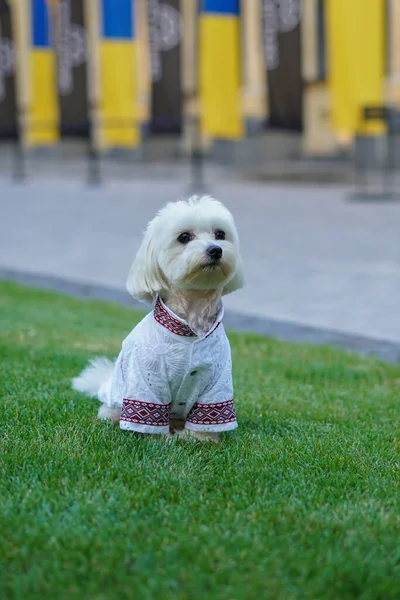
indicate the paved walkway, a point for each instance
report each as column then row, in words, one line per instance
column 311, row 257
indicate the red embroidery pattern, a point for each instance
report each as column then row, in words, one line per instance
column 163, row 317
column 145, row 413
column 212, row 414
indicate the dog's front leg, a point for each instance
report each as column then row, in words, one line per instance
column 113, row 414
column 206, row 436
column 177, row 427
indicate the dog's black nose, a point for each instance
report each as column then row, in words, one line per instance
column 214, row 252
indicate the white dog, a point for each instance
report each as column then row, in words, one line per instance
column 174, row 371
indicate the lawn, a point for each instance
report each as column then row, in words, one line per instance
column 301, row 502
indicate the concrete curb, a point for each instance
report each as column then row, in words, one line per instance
column 233, row 320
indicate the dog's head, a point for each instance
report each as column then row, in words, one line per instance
column 190, row 245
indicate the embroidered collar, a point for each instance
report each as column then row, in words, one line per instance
column 165, row 317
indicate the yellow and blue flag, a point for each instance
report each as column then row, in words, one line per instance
column 119, row 101
column 219, row 69
column 43, row 123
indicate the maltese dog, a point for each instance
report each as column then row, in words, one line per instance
column 174, row 372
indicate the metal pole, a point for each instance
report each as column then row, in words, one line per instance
column 94, row 165
column 391, row 158
column 93, row 155
column 197, row 160
column 356, row 173
column 19, row 166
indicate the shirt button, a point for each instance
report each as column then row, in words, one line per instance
column 193, row 373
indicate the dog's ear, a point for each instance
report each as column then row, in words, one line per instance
column 237, row 280
column 145, row 279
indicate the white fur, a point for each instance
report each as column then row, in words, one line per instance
column 106, row 413
column 163, row 263
column 164, row 266
column 90, row 380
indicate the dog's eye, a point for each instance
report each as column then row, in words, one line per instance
column 184, row 238
column 219, row 234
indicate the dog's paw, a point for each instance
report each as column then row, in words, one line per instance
column 107, row 413
column 204, row 436
column 193, row 436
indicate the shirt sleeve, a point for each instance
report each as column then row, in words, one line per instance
column 146, row 397
column 215, row 409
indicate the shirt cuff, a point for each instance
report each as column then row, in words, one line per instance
column 219, row 416
column 126, row 426
column 144, row 417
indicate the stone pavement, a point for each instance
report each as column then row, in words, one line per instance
column 311, row 257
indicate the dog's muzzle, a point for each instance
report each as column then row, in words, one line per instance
column 214, row 253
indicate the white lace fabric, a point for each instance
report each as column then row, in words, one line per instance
column 165, row 370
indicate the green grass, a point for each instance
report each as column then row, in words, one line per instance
column 303, row 501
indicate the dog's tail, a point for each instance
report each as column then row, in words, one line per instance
column 90, row 380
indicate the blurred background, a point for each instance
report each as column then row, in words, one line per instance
column 248, row 83
column 159, row 98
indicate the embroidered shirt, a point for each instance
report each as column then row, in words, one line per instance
column 165, row 370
